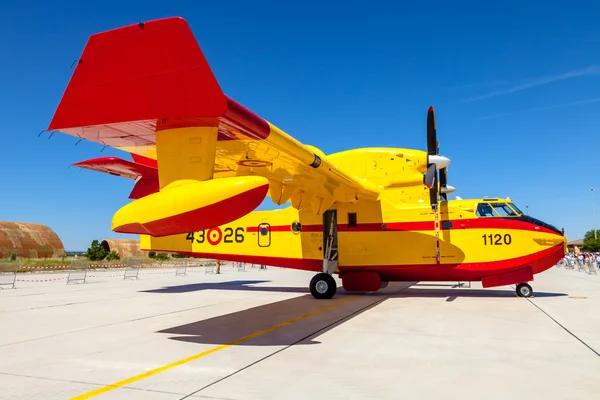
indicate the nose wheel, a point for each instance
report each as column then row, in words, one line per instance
column 323, row 286
column 524, row 290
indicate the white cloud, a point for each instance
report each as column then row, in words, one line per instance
column 555, row 106
column 544, row 80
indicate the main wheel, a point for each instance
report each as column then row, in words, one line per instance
column 323, row 286
column 524, row 290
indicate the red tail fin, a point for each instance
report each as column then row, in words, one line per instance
column 142, row 72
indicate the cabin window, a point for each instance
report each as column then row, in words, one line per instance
column 351, row 220
column 264, row 230
column 296, row 227
column 446, row 224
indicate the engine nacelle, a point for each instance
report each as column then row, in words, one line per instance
column 188, row 205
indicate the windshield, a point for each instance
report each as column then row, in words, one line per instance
column 504, row 210
column 495, row 210
column 517, row 209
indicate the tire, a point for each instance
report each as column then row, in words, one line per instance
column 323, row 286
column 524, row 290
column 384, row 285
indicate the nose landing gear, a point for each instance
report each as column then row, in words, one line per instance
column 524, row 290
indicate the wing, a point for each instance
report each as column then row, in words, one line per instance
column 135, row 81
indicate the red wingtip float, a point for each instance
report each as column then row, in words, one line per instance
column 203, row 162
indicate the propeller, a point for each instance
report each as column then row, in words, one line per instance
column 435, row 162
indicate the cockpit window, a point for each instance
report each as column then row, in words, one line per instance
column 485, row 210
column 504, row 210
column 495, row 210
column 514, row 207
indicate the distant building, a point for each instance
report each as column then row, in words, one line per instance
column 125, row 247
column 574, row 246
column 29, row 241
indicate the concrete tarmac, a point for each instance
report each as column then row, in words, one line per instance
column 259, row 334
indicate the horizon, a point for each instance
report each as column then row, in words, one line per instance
column 515, row 96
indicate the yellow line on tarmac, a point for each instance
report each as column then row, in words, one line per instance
column 155, row 371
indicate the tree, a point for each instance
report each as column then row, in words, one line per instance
column 113, row 255
column 589, row 243
column 152, row 254
column 96, row 252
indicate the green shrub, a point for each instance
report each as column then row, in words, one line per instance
column 113, row 255
column 162, row 257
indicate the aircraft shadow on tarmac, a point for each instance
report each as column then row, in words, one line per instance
column 433, row 289
column 230, row 285
column 228, row 328
column 224, row 329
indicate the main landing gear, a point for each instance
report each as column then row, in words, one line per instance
column 524, row 290
column 323, row 286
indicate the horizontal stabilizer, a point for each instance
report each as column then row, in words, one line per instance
column 146, row 176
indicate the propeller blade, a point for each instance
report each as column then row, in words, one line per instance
column 443, row 177
column 429, row 179
column 443, row 182
column 433, row 195
column 432, row 144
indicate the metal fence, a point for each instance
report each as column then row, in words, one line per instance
column 78, row 271
column 132, row 270
column 8, row 274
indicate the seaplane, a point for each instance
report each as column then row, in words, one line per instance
column 203, row 163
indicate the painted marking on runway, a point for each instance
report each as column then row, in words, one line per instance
column 155, row 371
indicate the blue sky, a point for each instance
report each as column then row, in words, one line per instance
column 516, row 92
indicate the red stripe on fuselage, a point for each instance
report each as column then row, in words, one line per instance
column 475, row 223
column 287, row 228
column 305, row 264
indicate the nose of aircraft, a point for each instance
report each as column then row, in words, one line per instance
column 538, row 222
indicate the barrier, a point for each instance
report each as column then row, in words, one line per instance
column 78, row 271
column 8, row 274
column 181, row 268
column 209, row 268
column 132, row 270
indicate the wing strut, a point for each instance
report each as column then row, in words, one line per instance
column 330, row 263
column 437, row 232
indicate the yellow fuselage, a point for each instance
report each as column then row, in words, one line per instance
column 397, row 242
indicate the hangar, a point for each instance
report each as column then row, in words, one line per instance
column 29, row 240
column 125, row 247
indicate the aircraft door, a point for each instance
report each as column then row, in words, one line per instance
column 264, row 235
